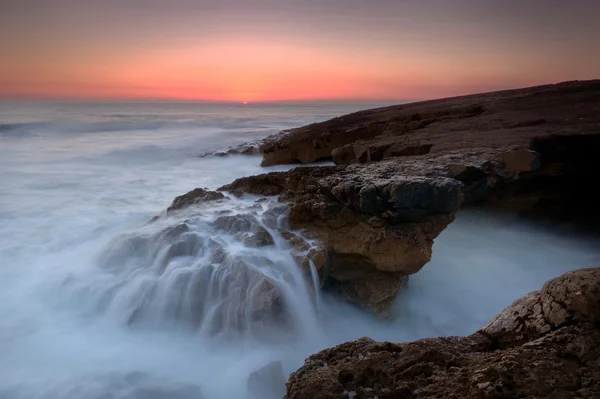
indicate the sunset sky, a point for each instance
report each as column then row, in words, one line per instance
column 265, row 50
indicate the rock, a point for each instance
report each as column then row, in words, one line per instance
column 560, row 360
column 248, row 300
column 264, row 299
column 236, row 223
column 260, row 238
column 407, row 169
column 377, row 218
column 246, row 229
column 521, row 161
column 375, row 291
column 275, row 217
column 493, row 120
column 296, row 242
column 250, row 150
column 571, row 298
column 196, row 196
column 267, row 382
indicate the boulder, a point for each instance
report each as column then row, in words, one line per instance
column 380, row 218
column 267, row 382
column 196, row 196
column 519, row 354
column 246, row 228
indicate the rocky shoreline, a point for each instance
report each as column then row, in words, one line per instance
column 544, row 345
column 369, row 222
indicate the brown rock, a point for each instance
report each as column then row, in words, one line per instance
column 195, row 196
column 495, row 120
column 246, row 228
column 571, row 298
column 336, row 207
column 561, row 361
column 260, row 238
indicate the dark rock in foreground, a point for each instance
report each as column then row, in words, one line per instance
column 544, row 345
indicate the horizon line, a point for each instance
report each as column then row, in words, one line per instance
column 201, row 100
column 289, row 100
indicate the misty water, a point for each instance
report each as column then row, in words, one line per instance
column 94, row 305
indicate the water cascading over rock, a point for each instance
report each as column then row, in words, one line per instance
column 221, row 267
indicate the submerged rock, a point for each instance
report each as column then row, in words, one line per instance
column 267, row 382
column 247, row 229
column 544, row 345
column 196, row 274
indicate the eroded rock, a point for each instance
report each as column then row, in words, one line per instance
column 267, row 382
column 195, row 196
column 494, row 120
column 517, row 355
column 246, row 228
column 375, row 218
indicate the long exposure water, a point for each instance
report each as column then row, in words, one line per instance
column 95, row 302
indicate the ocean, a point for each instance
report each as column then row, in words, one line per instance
column 92, row 306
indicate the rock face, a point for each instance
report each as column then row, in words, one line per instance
column 267, row 382
column 195, row 196
column 375, row 224
column 544, row 345
column 405, row 170
column 498, row 119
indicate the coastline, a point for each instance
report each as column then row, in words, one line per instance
column 402, row 174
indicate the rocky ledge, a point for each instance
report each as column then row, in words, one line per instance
column 544, row 345
column 371, row 220
column 498, row 119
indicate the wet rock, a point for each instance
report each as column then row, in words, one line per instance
column 246, row 228
column 250, row 150
column 276, row 216
column 260, row 238
column 298, row 243
column 196, row 196
column 335, row 207
column 568, row 299
column 375, row 291
column 512, row 357
column 236, row 223
column 264, row 299
column 267, row 382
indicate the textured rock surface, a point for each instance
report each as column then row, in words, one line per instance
column 498, row 119
column 382, row 217
column 374, row 224
column 545, row 345
column 246, row 229
column 267, row 382
column 195, row 196
column 407, row 169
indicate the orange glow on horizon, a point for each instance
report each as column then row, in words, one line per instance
column 261, row 69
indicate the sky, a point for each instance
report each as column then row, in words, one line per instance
column 270, row 50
